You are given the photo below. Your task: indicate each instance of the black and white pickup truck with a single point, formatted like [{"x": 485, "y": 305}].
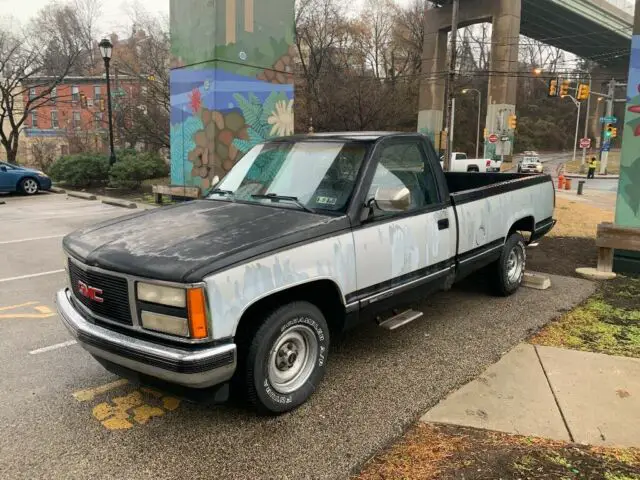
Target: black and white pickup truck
[{"x": 305, "y": 237}]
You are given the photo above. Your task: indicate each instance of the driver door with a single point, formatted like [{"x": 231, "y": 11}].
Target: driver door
[{"x": 404, "y": 251}]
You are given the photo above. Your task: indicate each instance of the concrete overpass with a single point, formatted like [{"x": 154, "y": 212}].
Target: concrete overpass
[{"x": 594, "y": 29}]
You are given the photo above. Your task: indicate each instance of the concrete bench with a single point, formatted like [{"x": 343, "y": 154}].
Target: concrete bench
[
  {"x": 611, "y": 236},
  {"x": 178, "y": 191}
]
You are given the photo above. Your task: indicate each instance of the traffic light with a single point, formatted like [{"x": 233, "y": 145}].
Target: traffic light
[
  {"x": 513, "y": 122},
  {"x": 102, "y": 104},
  {"x": 609, "y": 131},
  {"x": 583, "y": 91},
  {"x": 553, "y": 88},
  {"x": 564, "y": 89},
  {"x": 485, "y": 133}
]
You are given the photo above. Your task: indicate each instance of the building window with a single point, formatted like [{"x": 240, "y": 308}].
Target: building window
[
  {"x": 54, "y": 95},
  {"x": 97, "y": 118},
  {"x": 75, "y": 93},
  {"x": 97, "y": 92},
  {"x": 34, "y": 119},
  {"x": 54, "y": 119},
  {"x": 32, "y": 93},
  {"x": 76, "y": 120}
]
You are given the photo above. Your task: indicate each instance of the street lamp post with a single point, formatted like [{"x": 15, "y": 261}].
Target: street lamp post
[
  {"x": 467, "y": 90},
  {"x": 106, "y": 48}
]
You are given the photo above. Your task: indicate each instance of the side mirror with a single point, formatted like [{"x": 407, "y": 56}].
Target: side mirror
[
  {"x": 395, "y": 199},
  {"x": 214, "y": 181},
  {"x": 3, "y": 169}
]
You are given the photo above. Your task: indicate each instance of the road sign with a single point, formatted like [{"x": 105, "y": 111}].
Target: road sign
[
  {"x": 611, "y": 119},
  {"x": 585, "y": 143},
  {"x": 493, "y": 138},
  {"x": 606, "y": 146}
]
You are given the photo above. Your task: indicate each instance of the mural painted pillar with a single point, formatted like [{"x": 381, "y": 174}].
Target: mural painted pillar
[
  {"x": 628, "y": 201},
  {"x": 231, "y": 82}
]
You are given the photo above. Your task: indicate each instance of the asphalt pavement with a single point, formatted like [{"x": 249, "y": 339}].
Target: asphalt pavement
[{"x": 64, "y": 417}]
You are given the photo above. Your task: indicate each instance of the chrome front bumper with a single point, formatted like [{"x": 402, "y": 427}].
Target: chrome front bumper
[{"x": 194, "y": 367}]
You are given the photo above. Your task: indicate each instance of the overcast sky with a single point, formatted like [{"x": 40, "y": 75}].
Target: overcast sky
[{"x": 115, "y": 13}]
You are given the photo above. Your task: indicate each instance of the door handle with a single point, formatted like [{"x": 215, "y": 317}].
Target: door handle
[{"x": 443, "y": 224}]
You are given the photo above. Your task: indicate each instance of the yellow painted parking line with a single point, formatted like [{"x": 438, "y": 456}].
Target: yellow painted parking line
[
  {"x": 43, "y": 309},
  {"x": 90, "y": 393},
  {"x": 27, "y": 315},
  {"x": 136, "y": 407},
  {"x": 13, "y": 307}
]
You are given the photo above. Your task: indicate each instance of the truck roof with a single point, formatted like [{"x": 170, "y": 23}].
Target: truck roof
[{"x": 344, "y": 136}]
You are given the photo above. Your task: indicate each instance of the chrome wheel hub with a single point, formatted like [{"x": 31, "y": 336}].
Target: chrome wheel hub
[
  {"x": 30, "y": 186},
  {"x": 293, "y": 358},
  {"x": 515, "y": 264}
]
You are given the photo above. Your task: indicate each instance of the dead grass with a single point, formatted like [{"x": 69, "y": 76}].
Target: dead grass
[
  {"x": 448, "y": 452},
  {"x": 613, "y": 163},
  {"x": 578, "y": 219}
]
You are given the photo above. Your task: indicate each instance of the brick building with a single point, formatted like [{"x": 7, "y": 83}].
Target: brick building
[{"x": 75, "y": 117}]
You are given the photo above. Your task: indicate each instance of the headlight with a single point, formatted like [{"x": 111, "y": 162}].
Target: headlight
[
  {"x": 171, "y": 296},
  {"x": 165, "y": 323},
  {"x": 42, "y": 174}
]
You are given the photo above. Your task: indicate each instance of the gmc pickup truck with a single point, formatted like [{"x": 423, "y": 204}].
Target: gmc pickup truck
[{"x": 304, "y": 238}]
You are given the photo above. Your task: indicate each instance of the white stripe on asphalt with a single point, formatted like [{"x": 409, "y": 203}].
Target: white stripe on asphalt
[
  {"x": 31, "y": 276},
  {"x": 30, "y": 239},
  {"x": 53, "y": 347}
]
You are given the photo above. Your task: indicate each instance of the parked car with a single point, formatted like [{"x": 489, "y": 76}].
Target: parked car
[
  {"x": 14, "y": 178},
  {"x": 530, "y": 163},
  {"x": 304, "y": 238},
  {"x": 460, "y": 163}
]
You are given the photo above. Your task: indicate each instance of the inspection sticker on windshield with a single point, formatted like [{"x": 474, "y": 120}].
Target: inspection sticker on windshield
[{"x": 326, "y": 200}]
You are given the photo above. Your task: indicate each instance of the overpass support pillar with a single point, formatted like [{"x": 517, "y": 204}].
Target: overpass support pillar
[
  {"x": 503, "y": 80},
  {"x": 434, "y": 66}
]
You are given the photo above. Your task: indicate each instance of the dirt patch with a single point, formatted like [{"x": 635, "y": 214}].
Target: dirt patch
[
  {"x": 562, "y": 255},
  {"x": 450, "y": 452},
  {"x": 609, "y": 322}
]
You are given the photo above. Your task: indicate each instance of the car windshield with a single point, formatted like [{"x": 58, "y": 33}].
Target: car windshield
[{"x": 311, "y": 174}]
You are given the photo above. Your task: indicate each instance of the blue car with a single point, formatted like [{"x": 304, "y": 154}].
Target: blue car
[{"x": 14, "y": 178}]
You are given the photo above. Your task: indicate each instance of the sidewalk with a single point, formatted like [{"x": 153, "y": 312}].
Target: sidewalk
[{"x": 567, "y": 395}]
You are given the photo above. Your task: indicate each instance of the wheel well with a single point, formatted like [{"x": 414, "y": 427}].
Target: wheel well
[
  {"x": 324, "y": 294},
  {"x": 473, "y": 168},
  {"x": 526, "y": 224}
]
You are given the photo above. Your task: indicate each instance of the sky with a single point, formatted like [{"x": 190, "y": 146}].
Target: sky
[{"x": 114, "y": 17}]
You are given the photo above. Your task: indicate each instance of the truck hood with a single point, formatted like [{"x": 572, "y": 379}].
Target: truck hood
[{"x": 184, "y": 243}]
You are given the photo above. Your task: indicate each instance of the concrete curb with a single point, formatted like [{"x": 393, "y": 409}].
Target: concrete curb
[
  {"x": 594, "y": 274},
  {"x": 57, "y": 190},
  {"x": 600, "y": 177},
  {"x": 536, "y": 280},
  {"x": 85, "y": 196},
  {"x": 116, "y": 202}
]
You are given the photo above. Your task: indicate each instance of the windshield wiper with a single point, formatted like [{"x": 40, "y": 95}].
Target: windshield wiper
[
  {"x": 220, "y": 191},
  {"x": 276, "y": 197}
]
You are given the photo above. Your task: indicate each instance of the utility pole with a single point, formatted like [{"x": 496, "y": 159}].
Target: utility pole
[
  {"x": 453, "y": 122},
  {"x": 586, "y": 121},
  {"x": 451, "y": 61},
  {"x": 611, "y": 94}
]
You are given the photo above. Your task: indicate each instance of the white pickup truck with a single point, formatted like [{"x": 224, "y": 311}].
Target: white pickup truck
[
  {"x": 304, "y": 238},
  {"x": 460, "y": 163}
]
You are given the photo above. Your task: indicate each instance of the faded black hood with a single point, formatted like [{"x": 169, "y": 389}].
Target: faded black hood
[{"x": 183, "y": 243}]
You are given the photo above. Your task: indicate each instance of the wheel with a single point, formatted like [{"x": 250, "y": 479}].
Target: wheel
[
  {"x": 508, "y": 270},
  {"x": 29, "y": 186},
  {"x": 286, "y": 358}
]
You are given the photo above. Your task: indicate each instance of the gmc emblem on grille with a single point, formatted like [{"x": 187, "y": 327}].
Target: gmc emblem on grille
[{"x": 90, "y": 292}]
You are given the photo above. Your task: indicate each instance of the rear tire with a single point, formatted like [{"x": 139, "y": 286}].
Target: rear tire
[
  {"x": 286, "y": 358},
  {"x": 508, "y": 271},
  {"x": 29, "y": 186}
]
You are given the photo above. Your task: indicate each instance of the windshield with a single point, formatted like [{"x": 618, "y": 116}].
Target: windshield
[{"x": 319, "y": 175}]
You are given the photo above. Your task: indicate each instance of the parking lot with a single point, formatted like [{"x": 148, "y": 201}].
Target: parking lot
[{"x": 64, "y": 416}]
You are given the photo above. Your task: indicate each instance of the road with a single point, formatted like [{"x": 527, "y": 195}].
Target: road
[
  {"x": 553, "y": 161},
  {"x": 65, "y": 417}
]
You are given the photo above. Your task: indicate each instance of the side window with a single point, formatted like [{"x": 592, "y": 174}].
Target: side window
[{"x": 403, "y": 180}]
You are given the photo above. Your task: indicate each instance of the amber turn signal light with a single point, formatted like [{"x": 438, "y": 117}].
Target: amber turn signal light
[{"x": 197, "y": 311}]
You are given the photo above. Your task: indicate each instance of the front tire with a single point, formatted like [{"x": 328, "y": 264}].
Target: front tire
[
  {"x": 508, "y": 270},
  {"x": 29, "y": 186},
  {"x": 286, "y": 358}
]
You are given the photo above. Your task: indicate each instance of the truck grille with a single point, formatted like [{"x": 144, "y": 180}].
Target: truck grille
[{"x": 115, "y": 294}]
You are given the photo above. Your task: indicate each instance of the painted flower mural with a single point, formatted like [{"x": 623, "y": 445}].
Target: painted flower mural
[{"x": 221, "y": 108}]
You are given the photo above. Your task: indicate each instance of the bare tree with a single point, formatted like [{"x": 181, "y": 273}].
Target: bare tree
[{"x": 32, "y": 64}]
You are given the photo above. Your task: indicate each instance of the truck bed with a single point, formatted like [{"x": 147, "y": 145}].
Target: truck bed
[{"x": 475, "y": 185}]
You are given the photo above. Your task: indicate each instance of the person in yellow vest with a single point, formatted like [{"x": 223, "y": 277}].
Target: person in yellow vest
[{"x": 593, "y": 164}]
